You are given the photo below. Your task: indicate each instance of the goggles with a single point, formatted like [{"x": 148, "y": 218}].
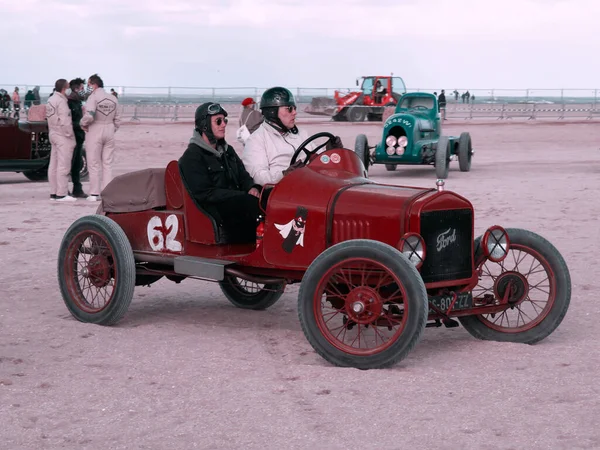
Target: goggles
[
  {"x": 215, "y": 108},
  {"x": 290, "y": 108},
  {"x": 220, "y": 120}
]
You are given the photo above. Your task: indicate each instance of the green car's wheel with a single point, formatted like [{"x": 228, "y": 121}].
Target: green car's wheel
[
  {"x": 390, "y": 167},
  {"x": 442, "y": 157},
  {"x": 465, "y": 152},
  {"x": 361, "y": 148}
]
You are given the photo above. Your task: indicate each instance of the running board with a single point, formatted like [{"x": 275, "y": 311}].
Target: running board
[{"x": 212, "y": 269}]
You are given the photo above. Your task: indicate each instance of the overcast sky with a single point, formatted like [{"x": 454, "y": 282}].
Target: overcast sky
[{"x": 447, "y": 44}]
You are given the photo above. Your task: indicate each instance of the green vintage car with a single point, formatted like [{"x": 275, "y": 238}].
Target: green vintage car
[{"x": 413, "y": 135}]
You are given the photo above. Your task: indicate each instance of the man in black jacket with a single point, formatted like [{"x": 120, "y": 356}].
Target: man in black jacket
[
  {"x": 75, "y": 105},
  {"x": 216, "y": 178}
]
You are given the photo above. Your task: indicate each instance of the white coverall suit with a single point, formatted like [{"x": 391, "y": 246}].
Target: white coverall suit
[
  {"x": 62, "y": 139},
  {"x": 102, "y": 117}
]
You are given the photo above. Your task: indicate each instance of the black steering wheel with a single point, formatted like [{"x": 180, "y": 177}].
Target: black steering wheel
[
  {"x": 309, "y": 153},
  {"x": 419, "y": 107}
]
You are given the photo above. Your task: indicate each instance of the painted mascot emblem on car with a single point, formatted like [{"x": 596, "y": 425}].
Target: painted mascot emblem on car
[
  {"x": 335, "y": 158},
  {"x": 293, "y": 231},
  {"x": 446, "y": 238},
  {"x": 162, "y": 237}
]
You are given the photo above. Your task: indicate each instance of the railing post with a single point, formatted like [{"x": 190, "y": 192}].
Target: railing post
[
  {"x": 175, "y": 116},
  {"x": 169, "y": 93},
  {"x": 562, "y": 97},
  {"x": 135, "y": 110},
  {"x": 562, "y": 113},
  {"x": 527, "y": 94},
  {"x": 213, "y": 94},
  {"x": 532, "y": 117}
]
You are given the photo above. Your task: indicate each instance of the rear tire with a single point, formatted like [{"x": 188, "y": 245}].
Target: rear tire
[
  {"x": 84, "y": 172},
  {"x": 38, "y": 174},
  {"x": 248, "y": 295},
  {"x": 96, "y": 270},
  {"x": 390, "y": 167}
]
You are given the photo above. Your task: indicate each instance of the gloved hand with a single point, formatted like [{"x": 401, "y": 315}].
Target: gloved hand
[
  {"x": 293, "y": 167},
  {"x": 334, "y": 143}
]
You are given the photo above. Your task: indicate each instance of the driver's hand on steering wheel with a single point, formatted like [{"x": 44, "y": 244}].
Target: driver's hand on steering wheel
[
  {"x": 293, "y": 167},
  {"x": 336, "y": 143},
  {"x": 255, "y": 192}
]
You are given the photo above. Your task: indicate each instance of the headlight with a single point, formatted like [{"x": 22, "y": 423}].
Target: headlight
[
  {"x": 402, "y": 141},
  {"x": 399, "y": 151},
  {"x": 412, "y": 246},
  {"x": 390, "y": 141},
  {"x": 390, "y": 150},
  {"x": 495, "y": 243}
]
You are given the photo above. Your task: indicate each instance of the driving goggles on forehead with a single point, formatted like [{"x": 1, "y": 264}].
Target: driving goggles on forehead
[{"x": 215, "y": 108}]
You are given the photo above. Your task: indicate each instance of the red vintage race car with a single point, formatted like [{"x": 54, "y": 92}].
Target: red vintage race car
[
  {"x": 377, "y": 263},
  {"x": 25, "y": 147}
]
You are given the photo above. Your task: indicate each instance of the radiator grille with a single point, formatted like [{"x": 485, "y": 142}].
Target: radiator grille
[{"x": 448, "y": 236}]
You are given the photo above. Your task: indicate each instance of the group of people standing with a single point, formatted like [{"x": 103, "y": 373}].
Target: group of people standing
[
  {"x": 70, "y": 124},
  {"x": 31, "y": 98}
]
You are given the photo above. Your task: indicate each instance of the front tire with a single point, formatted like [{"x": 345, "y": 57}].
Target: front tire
[
  {"x": 540, "y": 293},
  {"x": 96, "y": 270},
  {"x": 465, "y": 149},
  {"x": 362, "y": 304},
  {"x": 249, "y": 295},
  {"x": 442, "y": 157},
  {"x": 361, "y": 148},
  {"x": 390, "y": 167}
]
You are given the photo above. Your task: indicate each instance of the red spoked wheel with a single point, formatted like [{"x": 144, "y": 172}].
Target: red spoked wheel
[
  {"x": 533, "y": 282},
  {"x": 362, "y": 304},
  {"x": 96, "y": 270}
]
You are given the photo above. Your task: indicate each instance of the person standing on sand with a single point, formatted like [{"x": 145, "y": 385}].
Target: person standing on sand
[
  {"x": 101, "y": 120},
  {"x": 62, "y": 138}
]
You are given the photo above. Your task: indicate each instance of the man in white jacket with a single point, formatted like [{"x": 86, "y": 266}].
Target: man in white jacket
[
  {"x": 101, "y": 120},
  {"x": 269, "y": 150}
]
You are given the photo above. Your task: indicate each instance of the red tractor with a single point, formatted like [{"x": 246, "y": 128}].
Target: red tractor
[{"x": 376, "y": 93}]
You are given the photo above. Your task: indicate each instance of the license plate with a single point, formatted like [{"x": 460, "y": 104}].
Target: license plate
[{"x": 464, "y": 300}]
